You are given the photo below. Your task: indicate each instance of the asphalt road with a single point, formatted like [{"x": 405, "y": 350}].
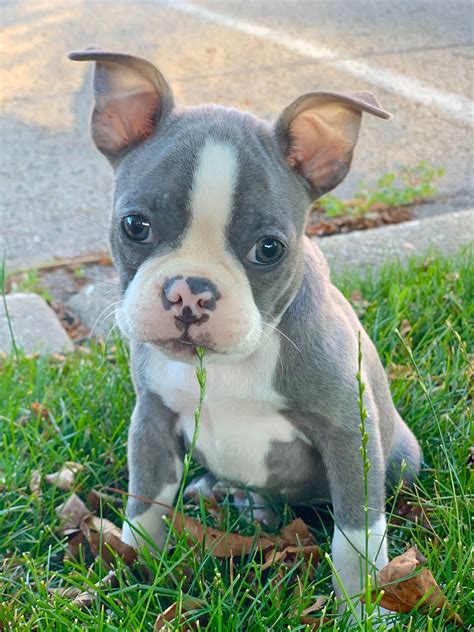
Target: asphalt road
[{"x": 416, "y": 56}]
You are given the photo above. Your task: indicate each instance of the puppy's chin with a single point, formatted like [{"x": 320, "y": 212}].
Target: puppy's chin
[{"x": 181, "y": 350}]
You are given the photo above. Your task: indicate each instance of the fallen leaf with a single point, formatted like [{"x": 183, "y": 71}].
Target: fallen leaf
[
  {"x": 307, "y": 617},
  {"x": 64, "y": 479},
  {"x": 405, "y": 327},
  {"x": 400, "y": 372},
  {"x": 75, "y": 542},
  {"x": 35, "y": 483},
  {"x": 405, "y": 587},
  {"x": 296, "y": 533},
  {"x": 470, "y": 458},
  {"x": 102, "y": 535},
  {"x": 407, "y": 510},
  {"x": 39, "y": 410},
  {"x": 99, "y": 501},
  {"x": 220, "y": 543},
  {"x": 70, "y": 592},
  {"x": 188, "y": 604},
  {"x": 86, "y": 598},
  {"x": 317, "y": 605},
  {"x": 71, "y": 513},
  {"x": 377, "y": 215},
  {"x": 290, "y": 555}
]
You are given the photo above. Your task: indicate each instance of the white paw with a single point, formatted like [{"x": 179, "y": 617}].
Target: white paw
[{"x": 146, "y": 530}]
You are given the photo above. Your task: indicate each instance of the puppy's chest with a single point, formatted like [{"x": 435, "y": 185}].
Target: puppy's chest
[{"x": 240, "y": 419}]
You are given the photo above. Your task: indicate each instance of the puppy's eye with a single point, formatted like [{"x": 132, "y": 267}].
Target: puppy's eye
[
  {"x": 267, "y": 250},
  {"x": 137, "y": 228}
]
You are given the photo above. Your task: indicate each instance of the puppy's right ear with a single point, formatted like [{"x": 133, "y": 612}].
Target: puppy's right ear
[{"x": 131, "y": 96}]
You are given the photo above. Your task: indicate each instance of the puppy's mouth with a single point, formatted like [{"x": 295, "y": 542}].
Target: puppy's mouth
[{"x": 184, "y": 347}]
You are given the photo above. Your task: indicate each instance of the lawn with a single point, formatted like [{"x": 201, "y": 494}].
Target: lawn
[{"x": 78, "y": 408}]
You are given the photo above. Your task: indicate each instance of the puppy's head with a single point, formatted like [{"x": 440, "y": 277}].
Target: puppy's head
[{"x": 210, "y": 204}]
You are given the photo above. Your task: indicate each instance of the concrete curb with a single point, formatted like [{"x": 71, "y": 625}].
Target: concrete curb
[
  {"x": 35, "y": 326},
  {"x": 360, "y": 250}
]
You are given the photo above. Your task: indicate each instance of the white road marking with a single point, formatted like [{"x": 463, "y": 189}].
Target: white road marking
[{"x": 455, "y": 106}]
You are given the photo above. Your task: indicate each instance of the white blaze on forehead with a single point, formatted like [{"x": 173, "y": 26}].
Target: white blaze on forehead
[{"x": 212, "y": 194}]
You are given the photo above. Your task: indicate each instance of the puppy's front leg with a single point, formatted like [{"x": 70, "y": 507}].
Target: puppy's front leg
[
  {"x": 155, "y": 463},
  {"x": 341, "y": 453}
]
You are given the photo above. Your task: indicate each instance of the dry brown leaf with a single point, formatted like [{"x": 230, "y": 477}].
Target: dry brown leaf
[
  {"x": 102, "y": 535},
  {"x": 35, "y": 483},
  {"x": 70, "y": 592},
  {"x": 378, "y": 215},
  {"x": 64, "y": 479},
  {"x": 220, "y": 543},
  {"x": 188, "y": 604},
  {"x": 39, "y": 410},
  {"x": 406, "y": 587},
  {"x": 99, "y": 501},
  {"x": 307, "y": 617},
  {"x": 75, "y": 542},
  {"x": 407, "y": 510},
  {"x": 71, "y": 514},
  {"x": 86, "y": 598},
  {"x": 290, "y": 555},
  {"x": 470, "y": 458},
  {"x": 317, "y": 605},
  {"x": 296, "y": 533},
  {"x": 400, "y": 372},
  {"x": 405, "y": 327}
]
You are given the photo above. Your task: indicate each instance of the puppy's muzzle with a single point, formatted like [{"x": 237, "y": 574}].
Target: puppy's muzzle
[{"x": 191, "y": 300}]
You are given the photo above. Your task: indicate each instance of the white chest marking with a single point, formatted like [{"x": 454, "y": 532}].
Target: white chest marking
[{"x": 240, "y": 415}]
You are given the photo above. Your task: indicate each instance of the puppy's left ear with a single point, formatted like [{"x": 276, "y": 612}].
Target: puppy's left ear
[{"x": 318, "y": 133}]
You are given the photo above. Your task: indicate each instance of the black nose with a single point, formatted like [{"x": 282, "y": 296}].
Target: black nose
[{"x": 193, "y": 295}]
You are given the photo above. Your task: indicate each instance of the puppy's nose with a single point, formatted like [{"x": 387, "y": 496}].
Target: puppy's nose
[{"x": 197, "y": 295}]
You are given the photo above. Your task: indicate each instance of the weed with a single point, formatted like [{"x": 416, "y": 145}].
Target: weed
[{"x": 406, "y": 187}]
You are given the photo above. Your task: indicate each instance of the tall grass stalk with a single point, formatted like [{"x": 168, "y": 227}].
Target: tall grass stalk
[
  {"x": 368, "y": 607},
  {"x": 201, "y": 374}
]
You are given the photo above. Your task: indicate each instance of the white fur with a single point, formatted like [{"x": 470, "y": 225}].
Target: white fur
[
  {"x": 240, "y": 415},
  {"x": 212, "y": 194},
  {"x": 348, "y": 555},
  {"x": 151, "y": 520}
]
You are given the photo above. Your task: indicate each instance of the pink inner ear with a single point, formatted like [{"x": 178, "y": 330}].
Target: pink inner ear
[
  {"x": 125, "y": 120},
  {"x": 317, "y": 150}
]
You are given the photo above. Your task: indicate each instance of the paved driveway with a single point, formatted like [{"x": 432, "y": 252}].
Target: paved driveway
[{"x": 257, "y": 55}]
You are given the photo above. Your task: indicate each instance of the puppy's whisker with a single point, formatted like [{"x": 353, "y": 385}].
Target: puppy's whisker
[
  {"x": 282, "y": 334},
  {"x": 92, "y": 221},
  {"x": 103, "y": 315},
  {"x": 109, "y": 283},
  {"x": 264, "y": 333}
]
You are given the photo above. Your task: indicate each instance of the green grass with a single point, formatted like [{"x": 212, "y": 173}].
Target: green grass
[
  {"x": 401, "y": 188},
  {"x": 89, "y": 399}
]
